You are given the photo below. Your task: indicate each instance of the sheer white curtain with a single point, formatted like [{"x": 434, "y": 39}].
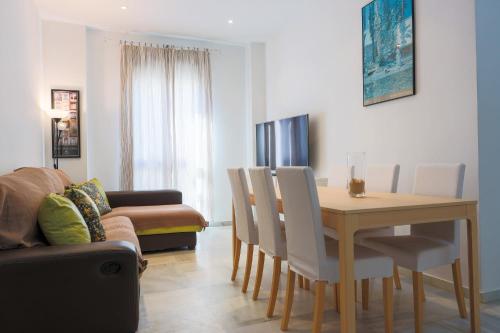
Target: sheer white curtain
[{"x": 167, "y": 122}]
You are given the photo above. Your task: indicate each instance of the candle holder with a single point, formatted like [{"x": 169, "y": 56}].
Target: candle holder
[{"x": 356, "y": 167}]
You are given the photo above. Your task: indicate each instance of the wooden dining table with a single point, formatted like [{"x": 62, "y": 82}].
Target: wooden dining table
[{"x": 347, "y": 215}]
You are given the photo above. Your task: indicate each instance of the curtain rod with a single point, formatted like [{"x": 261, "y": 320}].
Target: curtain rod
[{"x": 164, "y": 46}]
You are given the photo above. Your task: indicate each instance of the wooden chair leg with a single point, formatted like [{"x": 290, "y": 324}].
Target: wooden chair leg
[
  {"x": 319, "y": 305},
  {"x": 365, "y": 293},
  {"x": 417, "y": 302},
  {"x": 334, "y": 294},
  {"x": 287, "y": 309},
  {"x": 459, "y": 291},
  {"x": 248, "y": 268},
  {"x": 388, "y": 304},
  {"x": 258, "y": 277},
  {"x": 301, "y": 281},
  {"x": 397, "y": 280},
  {"x": 355, "y": 291},
  {"x": 337, "y": 296},
  {"x": 422, "y": 290},
  {"x": 307, "y": 284},
  {"x": 274, "y": 286},
  {"x": 236, "y": 262}
]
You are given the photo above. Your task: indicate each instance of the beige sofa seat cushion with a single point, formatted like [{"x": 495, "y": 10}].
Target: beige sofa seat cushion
[
  {"x": 21, "y": 194},
  {"x": 152, "y": 217},
  {"x": 120, "y": 228}
]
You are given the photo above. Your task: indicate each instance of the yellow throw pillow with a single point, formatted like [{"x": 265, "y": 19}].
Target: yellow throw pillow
[{"x": 61, "y": 222}]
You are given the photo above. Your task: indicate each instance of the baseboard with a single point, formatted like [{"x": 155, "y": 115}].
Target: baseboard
[{"x": 486, "y": 296}]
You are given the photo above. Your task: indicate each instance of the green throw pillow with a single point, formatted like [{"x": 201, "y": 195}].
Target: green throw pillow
[
  {"x": 61, "y": 222},
  {"x": 95, "y": 191},
  {"x": 89, "y": 211}
]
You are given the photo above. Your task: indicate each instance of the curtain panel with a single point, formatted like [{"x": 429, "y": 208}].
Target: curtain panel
[{"x": 166, "y": 122}]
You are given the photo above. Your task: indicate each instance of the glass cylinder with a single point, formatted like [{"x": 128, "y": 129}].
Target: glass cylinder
[{"x": 356, "y": 170}]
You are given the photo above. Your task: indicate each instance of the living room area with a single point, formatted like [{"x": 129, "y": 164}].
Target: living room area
[{"x": 249, "y": 166}]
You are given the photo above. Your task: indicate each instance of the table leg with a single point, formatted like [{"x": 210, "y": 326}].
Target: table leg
[
  {"x": 346, "y": 231},
  {"x": 473, "y": 252}
]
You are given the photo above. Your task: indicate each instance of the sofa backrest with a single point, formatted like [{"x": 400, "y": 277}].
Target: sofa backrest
[{"x": 21, "y": 194}]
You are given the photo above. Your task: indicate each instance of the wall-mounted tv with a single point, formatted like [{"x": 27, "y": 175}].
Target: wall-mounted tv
[{"x": 283, "y": 142}]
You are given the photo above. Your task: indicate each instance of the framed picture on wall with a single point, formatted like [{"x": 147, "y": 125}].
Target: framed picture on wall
[
  {"x": 69, "y": 138},
  {"x": 388, "y": 50}
]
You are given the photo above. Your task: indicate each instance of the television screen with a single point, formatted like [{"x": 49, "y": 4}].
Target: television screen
[{"x": 283, "y": 142}]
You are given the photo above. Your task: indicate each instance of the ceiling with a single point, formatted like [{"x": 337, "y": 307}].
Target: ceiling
[{"x": 254, "y": 20}]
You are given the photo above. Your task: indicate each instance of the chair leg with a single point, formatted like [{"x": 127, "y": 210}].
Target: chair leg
[
  {"x": 459, "y": 291},
  {"x": 274, "y": 286},
  {"x": 365, "y": 293},
  {"x": 355, "y": 291},
  {"x": 417, "y": 302},
  {"x": 248, "y": 268},
  {"x": 300, "y": 278},
  {"x": 319, "y": 305},
  {"x": 397, "y": 280},
  {"x": 236, "y": 262},
  {"x": 388, "y": 304},
  {"x": 287, "y": 309},
  {"x": 258, "y": 277},
  {"x": 337, "y": 297},
  {"x": 422, "y": 290},
  {"x": 307, "y": 284}
]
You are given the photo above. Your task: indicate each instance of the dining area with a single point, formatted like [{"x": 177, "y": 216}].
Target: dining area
[{"x": 339, "y": 241}]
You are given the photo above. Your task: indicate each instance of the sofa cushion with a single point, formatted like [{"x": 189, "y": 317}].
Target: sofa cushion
[
  {"x": 89, "y": 211},
  {"x": 21, "y": 194},
  {"x": 161, "y": 216},
  {"x": 96, "y": 192},
  {"x": 120, "y": 228},
  {"x": 61, "y": 222}
]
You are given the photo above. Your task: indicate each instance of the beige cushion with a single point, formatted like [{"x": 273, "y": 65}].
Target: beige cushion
[
  {"x": 120, "y": 228},
  {"x": 413, "y": 252},
  {"x": 21, "y": 194},
  {"x": 152, "y": 217}
]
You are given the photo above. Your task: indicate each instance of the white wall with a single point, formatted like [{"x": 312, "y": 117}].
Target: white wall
[
  {"x": 21, "y": 129},
  {"x": 64, "y": 65},
  {"x": 230, "y": 109},
  {"x": 314, "y": 66}
]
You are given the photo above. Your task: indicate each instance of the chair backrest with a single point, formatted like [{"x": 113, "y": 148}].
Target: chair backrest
[
  {"x": 445, "y": 180},
  {"x": 382, "y": 178},
  {"x": 304, "y": 228},
  {"x": 245, "y": 225},
  {"x": 270, "y": 236}
]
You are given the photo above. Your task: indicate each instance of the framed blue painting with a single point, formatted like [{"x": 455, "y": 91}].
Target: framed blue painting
[{"x": 388, "y": 51}]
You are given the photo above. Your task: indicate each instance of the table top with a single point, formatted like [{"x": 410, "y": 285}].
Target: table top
[{"x": 339, "y": 201}]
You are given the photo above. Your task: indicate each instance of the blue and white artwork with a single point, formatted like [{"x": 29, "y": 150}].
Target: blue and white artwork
[{"x": 388, "y": 51}]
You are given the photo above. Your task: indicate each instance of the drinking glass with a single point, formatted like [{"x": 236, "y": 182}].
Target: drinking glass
[{"x": 356, "y": 171}]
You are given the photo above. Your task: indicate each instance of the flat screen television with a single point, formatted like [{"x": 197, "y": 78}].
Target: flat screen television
[{"x": 283, "y": 142}]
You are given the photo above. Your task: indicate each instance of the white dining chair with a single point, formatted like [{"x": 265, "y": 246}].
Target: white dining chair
[
  {"x": 382, "y": 178},
  {"x": 379, "y": 178},
  {"x": 272, "y": 238},
  {"x": 313, "y": 255},
  {"x": 246, "y": 228},
  {"x": 429, "y": 245}
]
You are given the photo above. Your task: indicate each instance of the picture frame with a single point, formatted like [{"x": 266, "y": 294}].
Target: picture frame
[
  {"x": 388, "y": 44},
  {"x": 69, "y": 139}
]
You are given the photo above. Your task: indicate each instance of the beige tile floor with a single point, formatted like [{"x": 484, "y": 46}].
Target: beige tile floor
[{"x": 191, "y": 291}]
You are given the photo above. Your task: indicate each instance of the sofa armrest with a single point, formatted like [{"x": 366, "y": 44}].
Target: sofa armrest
[
  {"x": 144, "y": 198},
  {"x": 72, "y": 288}
]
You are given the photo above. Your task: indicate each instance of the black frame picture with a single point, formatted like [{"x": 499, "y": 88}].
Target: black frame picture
[
  {"x": 68, "y": 100},
  {"x": 390, "y": 74}
]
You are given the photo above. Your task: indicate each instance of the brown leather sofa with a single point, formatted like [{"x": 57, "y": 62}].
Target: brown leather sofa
[{"x": 72, "y": 288}]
